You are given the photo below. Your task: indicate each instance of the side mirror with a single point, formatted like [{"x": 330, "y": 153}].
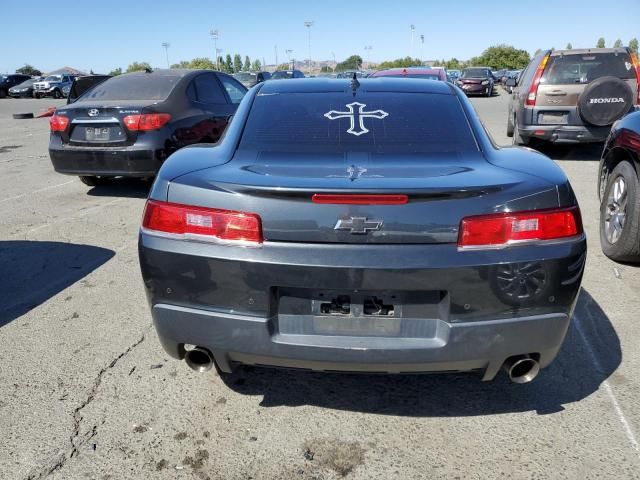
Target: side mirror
[{"x": 511, "y": 82}]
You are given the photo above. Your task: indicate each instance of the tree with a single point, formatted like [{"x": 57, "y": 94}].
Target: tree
[
  {"x": 181, "y": 64},
  {"x": 257, "y": 66},
  {"x": 202, "y": 63},
  {"x": 237, "y": 63},
  {"x": 247, "y": 64},
  {"x": 228, "y": 64},
  {"x": 617, "y": 43},
  {"x": 503, "y": 56},
  {"x": 284, "y": 66},
  {"x": 569, "y": 46},
  {"x": 633, "y": 45},
  {"x": 354, "y": 62},
  {"x": 600, "y": 43},
  {"x": 221, "y": 63},
  {"x": 29, "y": 70},
  {"x": 400, "y": 63},
  {"x": 115, "y": 72},
  {"x": 326, "y": 69},
  {"x": 138, "y": 67}
]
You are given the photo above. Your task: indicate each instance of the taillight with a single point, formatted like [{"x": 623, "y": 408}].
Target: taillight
[
  {"x": 58, "y": 123},
  {"x": 628, "y": 138},
  {"x": 337, "y": 199},
  {"x": 201, "y": 223},
  {"x": 533, "y": 89},
  {"x": 636, "y": 66},
  {"x": 502, "y": 229},
  {"x": 146, "y": 121}
]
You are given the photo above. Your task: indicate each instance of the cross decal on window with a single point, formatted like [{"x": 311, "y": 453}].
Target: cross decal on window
[{"x": 359, "y": 128}]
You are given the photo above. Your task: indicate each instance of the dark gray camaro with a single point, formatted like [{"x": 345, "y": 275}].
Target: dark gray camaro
[{"x": 372, "y": 227}]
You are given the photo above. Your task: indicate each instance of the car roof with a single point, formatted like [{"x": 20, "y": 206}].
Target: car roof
[
  {"x": 376, "y": 84},
  {"x": 409, "y": 71},
  {"x": 581, "y": 51}
]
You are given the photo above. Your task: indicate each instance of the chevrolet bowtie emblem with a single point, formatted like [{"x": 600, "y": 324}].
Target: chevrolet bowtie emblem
[{"x": 358, "y": 225}]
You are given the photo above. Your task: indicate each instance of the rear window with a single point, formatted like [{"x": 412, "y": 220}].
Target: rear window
[
  {"x": 320, "y": 123},
  {"x": 584, "y": 68},
  {"x": 281, "y": 75},
  {"x": 133, "y": 87}
]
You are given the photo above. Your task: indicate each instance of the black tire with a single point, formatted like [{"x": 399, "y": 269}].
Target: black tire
[
  {"x": 57, "y": 94},
  {"x": 509, "y": 125},
  {"x": 22, "y": 116},
  {"x": 3, "y": 93},
  {"x": 621, "y": 243},
  {"x": 517, "y": 138},
  {"x": 37, "y": 95},
  {"x": 92, "y": 181}
]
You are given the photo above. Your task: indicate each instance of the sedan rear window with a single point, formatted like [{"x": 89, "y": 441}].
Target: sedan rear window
[
  {"x": 393, "y": 122},
  {"x": 584, "y": 68},
  {"x": 139, "y": 86}
]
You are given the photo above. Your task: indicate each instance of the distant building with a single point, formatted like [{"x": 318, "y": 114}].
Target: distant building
[{"x": 67, "y": 70}]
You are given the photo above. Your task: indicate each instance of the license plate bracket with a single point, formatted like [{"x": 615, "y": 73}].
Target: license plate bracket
[{"x": 97, "y": 134}]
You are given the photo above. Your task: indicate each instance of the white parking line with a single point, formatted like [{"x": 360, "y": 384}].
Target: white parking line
[
  {"x": 628, "y": 430},
  {"x": 51, "y": 187}
]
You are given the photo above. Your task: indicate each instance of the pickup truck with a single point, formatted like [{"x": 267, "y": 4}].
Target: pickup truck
[{"x": 52, "y": 86}]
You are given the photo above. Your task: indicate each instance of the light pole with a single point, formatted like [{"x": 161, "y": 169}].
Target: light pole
[
  {"x": 275, "y": 47},
  {"x": 368, "y": 48},
  {"x": 166, "y": 51},
  {"x": 421, "y": 50},
  {"x": 289, "y": 52},
  {"x": 309, "y": 24},
  {"x": 215, "y": 34},
  {"x": 413, "y": 31},
  {"x": 218, "y": 54}
]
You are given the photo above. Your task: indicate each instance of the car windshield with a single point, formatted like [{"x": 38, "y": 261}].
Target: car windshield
[
  {"x": 584, "y": 68},
  {"x": 475, "y": 73},
  {"x": 137, "y": 86},
  {"x": 27, "y": 83},
  {"x": 320, "y": 123},
  {"x": 280, "y": 75},
  {"x": 53, "y": 78}
]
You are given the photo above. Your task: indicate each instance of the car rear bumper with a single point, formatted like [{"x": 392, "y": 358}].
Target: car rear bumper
[
  {"x": 237, "y": 303},
  {"x": 113, "y": 161},
  {"x": 565, "y": 133}
]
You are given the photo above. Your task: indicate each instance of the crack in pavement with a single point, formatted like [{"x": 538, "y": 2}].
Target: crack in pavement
[{"x": 76, "y": 443}]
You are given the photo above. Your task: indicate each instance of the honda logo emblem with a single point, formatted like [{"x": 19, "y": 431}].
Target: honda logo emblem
[{"x": 358, "y": 225}]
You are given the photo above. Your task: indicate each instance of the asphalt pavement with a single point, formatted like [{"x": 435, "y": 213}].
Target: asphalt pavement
[{"x": 86, "y": 390}]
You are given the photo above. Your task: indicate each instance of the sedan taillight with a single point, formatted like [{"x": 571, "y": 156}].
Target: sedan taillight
[
  {"x": 58, "y": 123},
  {"x": 503, "y": 229},
  {"x": 146, "y": 121},
  {"x": 201, "y": 223}
]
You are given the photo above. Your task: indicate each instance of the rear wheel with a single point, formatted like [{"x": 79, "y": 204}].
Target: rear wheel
[
  {"x": 57, "y": 94},
  {"x": 94, "y": 181},
  {"x": 620, "y": 215},
  {"x": 510, "y": 126},
  {"x": 517, "y": 139},
  {"x": 3, "y": 93}
]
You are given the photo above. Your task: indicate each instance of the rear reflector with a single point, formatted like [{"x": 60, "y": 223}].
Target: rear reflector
[
  {"x": 201, "y": 223},
  {"x": 146, "y": 121},
  {"x": 360, "y": 199},
  {"x": 502, "y": 229},
  {"x": 58, "y": 123}
]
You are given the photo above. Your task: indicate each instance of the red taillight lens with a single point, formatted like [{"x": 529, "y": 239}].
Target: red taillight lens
[
  {"x": 58, "y": 123},
  {"x": 502, "y": 229},
  {"x": 533, "y": 89},
  {"x": 360, "y": 199},
  {"x": 634, "y": 61},
  {"x": 146, "y": 121},
  {"x": 200, "y": 223}
]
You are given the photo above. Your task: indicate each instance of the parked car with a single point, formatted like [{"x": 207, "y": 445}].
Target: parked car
[
  {"x": 498, "y": 74},
  {"x": 619, "y": 191},
  {"x": 350, "y": 73},
  {"x": 454, "y": 74},
  {"x": 476, "y": 81},
  {"x": 24, "y": 89},
  {"x": 83, "y": 84},
  {"x": 128, "y": 125},
  {"x": 572, "y": 96},
  {"x": 52, "y": 86},
  {"x": 510, "y": 74},
  {"x": 369, "y": 226},
  {"x": 286, "y": 74},
  {"x": 250, "y": 79},
  {"x": 413, "y": 72},
  {"x": 9, "y": 81}
]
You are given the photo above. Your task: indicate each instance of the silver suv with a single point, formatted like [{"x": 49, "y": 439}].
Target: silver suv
[{"x": 572, "y": 96}]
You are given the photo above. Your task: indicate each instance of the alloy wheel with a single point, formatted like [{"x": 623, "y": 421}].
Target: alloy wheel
[{"x": 616, "y": 211}]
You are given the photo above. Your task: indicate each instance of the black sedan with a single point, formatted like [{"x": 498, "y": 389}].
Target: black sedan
[
  {"x": 128, "y": 125},
  {"x": 24, "y": 89},
  {"x": 619, "y": 191},
  {"x": 367, "y": 226}
]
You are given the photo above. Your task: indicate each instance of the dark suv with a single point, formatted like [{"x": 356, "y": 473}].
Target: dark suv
[
  {"x": 572, "y": 96},
  {"x": 8, "y": 81}
]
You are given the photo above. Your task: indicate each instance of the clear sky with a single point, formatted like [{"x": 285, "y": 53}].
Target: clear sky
[{"x": 102, "y": 35}]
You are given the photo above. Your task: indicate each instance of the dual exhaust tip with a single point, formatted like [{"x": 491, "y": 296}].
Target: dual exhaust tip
[{"x": 520, "y": 368}]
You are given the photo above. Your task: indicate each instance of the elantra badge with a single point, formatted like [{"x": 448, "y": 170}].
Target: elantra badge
[
  {"x": 360, "y": 114},
  {"x": 94, "y": 112},
  {"x": 358, "y": 225}
]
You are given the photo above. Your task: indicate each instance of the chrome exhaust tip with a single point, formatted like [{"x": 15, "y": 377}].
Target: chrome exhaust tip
[
  {"x": 521, "y": 368},
  {"x": 199, "y": 359}
]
